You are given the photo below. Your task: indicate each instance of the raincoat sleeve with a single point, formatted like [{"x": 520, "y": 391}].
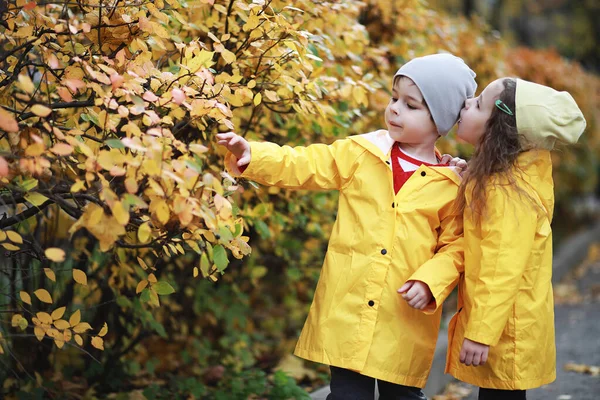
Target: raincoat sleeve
[
  {"x": 314, "y": 167},
  {"x": 442, "y": 271},
  {"x": 508, "y": 233}
]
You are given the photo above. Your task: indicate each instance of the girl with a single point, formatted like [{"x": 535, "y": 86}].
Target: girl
[{"x": 505, "y": 322}]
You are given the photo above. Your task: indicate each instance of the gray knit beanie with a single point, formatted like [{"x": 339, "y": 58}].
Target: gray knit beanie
[{"x": 445, "y": 82}]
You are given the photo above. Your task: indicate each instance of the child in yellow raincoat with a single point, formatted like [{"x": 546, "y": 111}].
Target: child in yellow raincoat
[
  {"x": 502, "y": 338},
  {"x": 395, "y": 216}
]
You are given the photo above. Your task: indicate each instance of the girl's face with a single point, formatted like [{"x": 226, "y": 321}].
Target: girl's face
[
  {"x": 477, "y": 111},
  {"x": 407, "y": 117}
]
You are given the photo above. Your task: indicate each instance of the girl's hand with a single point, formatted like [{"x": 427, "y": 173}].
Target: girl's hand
[
  {"x": 473, "y": 353},
  {"x": 416, "y": 293},
  {"x": 237, "y": 145},
  {"x": 457, "y": 162}
]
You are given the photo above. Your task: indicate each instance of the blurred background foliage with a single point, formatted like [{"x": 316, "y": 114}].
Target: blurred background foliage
[{"x": 301, "y": 73}]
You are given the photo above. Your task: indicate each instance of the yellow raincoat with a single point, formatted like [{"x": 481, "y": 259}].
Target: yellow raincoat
[
  {"x": 357, "y": 319},
  {"x": 505, "y": 295}
]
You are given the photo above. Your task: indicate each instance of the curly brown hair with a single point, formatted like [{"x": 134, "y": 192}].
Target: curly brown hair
[{"x": 495, "y": 155}]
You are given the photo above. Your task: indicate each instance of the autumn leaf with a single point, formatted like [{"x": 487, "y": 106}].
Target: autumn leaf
[
  {"x": 40, "y": 110},
  {"x": 55, "y": 254},
  {"x": 79, "y": 276},
  {"x": 50, "y": 274},
  {"x": 98, "y": 342},
  {"x": 25, "y": 298},
  {"x": 75, "y": 318},
  {"x": 104, "y": 330},
  {"x": 14, "y": 237},
  {"x": 81, "y": 327},
  {"x": 8, "y": 123},
  {"x": 43, "y": 295},
  {"x": 141, "y": 286},
  {"x": 58, "y": 313}
]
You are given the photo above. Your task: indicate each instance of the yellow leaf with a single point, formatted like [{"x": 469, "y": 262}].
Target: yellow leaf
[
  {"x": 10, "y": 247},
  {"x": 79, "y": 276},
  {"x": 35, "y": 198},
  {"x": 25, "y": 297},
  {"x": 228, "y": 56},
  {"x": 55, "y": 254},
  {"x": 50, "y": 274},
  {"x": 16, "y": 319},
  {"x": 25, "y": 82},
  {"x": 61, "y": 324},
  {"x": 195, "y": 272},
  {"x": 152, "y": 278},
  {"x": 67, "y": 334},
  {"x": 58, "y": 313},
  {"x": 257, "y": 99},
  {"x": 144, "y": 232},
  {"x": 104, "y": 330},
  {"x": 81, "y": 327},
  {"x": 8, "y": 123},
  {"x": 40, "y": 110},
  {"x": 2, "y": 236},
  {"x": 78, "y": 340},
  {"x": 162, "y": 212},
  {"x": 75, "y": 318},
  {"x": 39, "y": 333},
  {"x": 14, "y": 237},
  {"x": 43, "y": 295},
  {"x": 120, "y": 213},
  {"x": 141, "y": 286},
  {"x": 142, "y": 263},
  {"x": 44, "y": 317},
  {"x": 98, "y": 342},
  {"x": 35, "y": 150},
  {"x": 59, "y": 343}
]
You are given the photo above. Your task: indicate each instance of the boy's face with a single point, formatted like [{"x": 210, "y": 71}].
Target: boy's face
[
  {"x": 477, "y": 111},
  {"x": 407, "y": 117}
]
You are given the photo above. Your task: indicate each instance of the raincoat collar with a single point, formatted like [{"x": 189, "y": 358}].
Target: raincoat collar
[{"x": 379, "y": 143}]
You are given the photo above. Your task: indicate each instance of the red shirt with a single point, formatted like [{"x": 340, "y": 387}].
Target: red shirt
[{"x": 400, "y": 175}]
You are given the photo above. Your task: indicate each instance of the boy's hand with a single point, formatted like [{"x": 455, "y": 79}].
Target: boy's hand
[
  {"x": 473, "y": 353},
  {"x": 416, "y": 293},
  {"x": 457, "y": 162},
  {"x": 237, "y": 145}
]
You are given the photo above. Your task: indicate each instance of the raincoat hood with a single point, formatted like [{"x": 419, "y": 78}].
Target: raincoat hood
[{"x": 545, "y": 115}]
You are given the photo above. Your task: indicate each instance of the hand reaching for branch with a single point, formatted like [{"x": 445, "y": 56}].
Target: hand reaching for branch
[
  {"x": 237, "y": 145},
  {"x": 416, "y": 293}
]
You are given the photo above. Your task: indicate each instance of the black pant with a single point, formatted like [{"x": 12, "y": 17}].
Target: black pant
[
  {"x": 350, "y": 385},
  {"x": 498, "y": 394}
]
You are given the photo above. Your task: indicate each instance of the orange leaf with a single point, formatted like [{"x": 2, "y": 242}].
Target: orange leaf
[
  {"x": 62, "y": 149},
  {"x": 8, "y": 123}
]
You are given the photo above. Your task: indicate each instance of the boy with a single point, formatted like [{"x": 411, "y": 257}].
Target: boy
[{"x": 395, "y": 216}]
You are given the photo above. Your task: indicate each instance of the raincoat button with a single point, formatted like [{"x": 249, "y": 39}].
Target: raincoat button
[
  {"x": 423, "y": 173},
  {"x": 387, "y": 162},
  {"x": 384, "y": 252},
  {"x": 393, "y": 205},
  {"x": 371, "y": 303}
]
